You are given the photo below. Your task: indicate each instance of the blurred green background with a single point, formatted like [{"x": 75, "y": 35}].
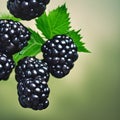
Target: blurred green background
[{"x": 92, "y": 89}]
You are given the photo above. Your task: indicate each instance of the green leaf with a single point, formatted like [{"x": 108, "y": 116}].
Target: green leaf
[
  {"x": 56, "y": 22},
  {"x": 9, "y": 17},
  {"x": 59, "y": 20},
  {"x": 43, "y": 25},
  {"x": 77, "y": 40},
  {"x": 36, "y": 37},
  {"x": 33, "y": 47}
]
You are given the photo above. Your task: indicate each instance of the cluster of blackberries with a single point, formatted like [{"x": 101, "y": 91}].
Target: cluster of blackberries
[
  {"x": 13, "y": 38},
  {"x": 32, "y": 74}
]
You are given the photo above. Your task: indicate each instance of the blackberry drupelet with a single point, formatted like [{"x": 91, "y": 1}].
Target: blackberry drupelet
[
  {"x": 33, "y": 93},
  {"x": 60, "y": 53},
  {"x": 27, "y": 9},
  {"x": 13, "y": 36},
  {"x": 6, "y": 66},
  {"x": 30, "y": 67}
]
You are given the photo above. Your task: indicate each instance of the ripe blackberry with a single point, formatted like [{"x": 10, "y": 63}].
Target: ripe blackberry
[
  {"x": 27, "y": 9},
  {"x": 60, "y": 53},
  {"x": 13, "y": 36},
  {"x": 33, "y": 93},
  {"x": 30, "y": 67},
  {"x": 6, "y": 66}
]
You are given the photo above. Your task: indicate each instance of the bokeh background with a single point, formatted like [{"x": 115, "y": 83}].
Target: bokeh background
[{"x": 92, "y": 89}]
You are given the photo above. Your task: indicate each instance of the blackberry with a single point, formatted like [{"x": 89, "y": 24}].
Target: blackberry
[
  {"x": 27, "y": 9},
  {"x": 33, "y": 93},
  {"x": 6, "y": 66},
  {"x": 30, "y": 67},
  {"x": 13, "y": 36},
  {"x": 60, "y": 53}
]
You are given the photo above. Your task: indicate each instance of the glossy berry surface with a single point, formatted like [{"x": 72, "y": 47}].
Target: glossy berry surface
[
  {"x": 31, "y": 67},
  {"x": 60, "y": 53},
  {"x": 6, "y": 66},
  {"x": 32, "y": 76},
  {"x": 13, "y": 36},
  {"x": 33, "y": 93},
  {"x": 27, "y": 9}
]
